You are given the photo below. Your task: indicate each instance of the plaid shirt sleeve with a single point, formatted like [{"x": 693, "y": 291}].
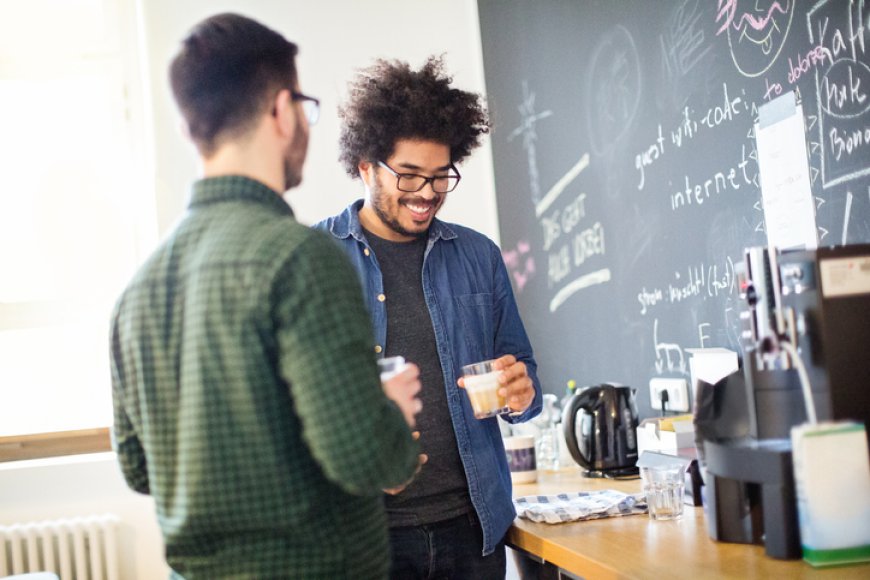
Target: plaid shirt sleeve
[
  {"x": 357, "y": 435},
  {"x": 125, "y": 441}
]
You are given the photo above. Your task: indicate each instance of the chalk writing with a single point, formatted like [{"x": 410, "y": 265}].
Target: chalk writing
[
  {"x": 584, "y": 281},
  {"x": 697, "y": 282},
  {"x": 683, "y": 42},
  {"x": 703, "y": 337},
  {"x": 846, "y": 142},
  {"x": 843, "y": 112},
  {"x": 562, "y": 221},
  {"x": 689, "y": 126},
  {"x": 561, "y": 185},
  {"x": 647, "y": 157},
  {"x": 529, "y": 118},
  {"x": 721, "y": 181},
  {"x": 756, "y": 29},
  {"x": 585, "y": 244},
  {"x": 614, "y": 89},
  {"x": 669, "y": 355},
  {"x": 846, "y": 219},
  {"x": 520, "y": 264},
  {"x": 649, "y": 298}
]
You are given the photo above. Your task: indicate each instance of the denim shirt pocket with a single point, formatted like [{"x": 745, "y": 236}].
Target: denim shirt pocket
[{"x": 475, "y": 312}]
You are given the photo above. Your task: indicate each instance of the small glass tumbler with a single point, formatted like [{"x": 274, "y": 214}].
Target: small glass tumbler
[
  {"x": 664, "y": 486},
  {"x": 482, "y": 386},
  {"x": 390, "y": 366}
]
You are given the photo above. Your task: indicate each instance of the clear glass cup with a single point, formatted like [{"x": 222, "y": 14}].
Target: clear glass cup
[
  {"x": 664, "y": 486},
  {"x": 548, "y": 449},
  {"x": 481, "y": 384},
  {"x": 390, "y": 366}
]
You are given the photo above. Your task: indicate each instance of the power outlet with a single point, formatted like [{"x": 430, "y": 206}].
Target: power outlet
[{"x": 678, "y": 393}]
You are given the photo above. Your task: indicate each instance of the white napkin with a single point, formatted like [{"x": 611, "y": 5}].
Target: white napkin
[{"x": 582, "y": 505}]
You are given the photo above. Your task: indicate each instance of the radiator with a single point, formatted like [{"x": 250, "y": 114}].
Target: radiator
[{"x": 81, "y": 548}]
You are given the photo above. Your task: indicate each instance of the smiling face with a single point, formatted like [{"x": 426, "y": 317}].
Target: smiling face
[
  {"x": 757, "y": 31},
  {"x": 397, "y": 215}
]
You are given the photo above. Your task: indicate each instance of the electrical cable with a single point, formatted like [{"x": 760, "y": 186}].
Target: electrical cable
[{"x": 809, "y": 403}]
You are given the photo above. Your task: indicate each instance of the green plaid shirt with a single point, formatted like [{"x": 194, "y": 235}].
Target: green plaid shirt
[{"x": 247, "y": 398}]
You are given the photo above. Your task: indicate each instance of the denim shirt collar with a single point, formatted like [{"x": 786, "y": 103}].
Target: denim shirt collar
[{"x": 347, "y": 224}]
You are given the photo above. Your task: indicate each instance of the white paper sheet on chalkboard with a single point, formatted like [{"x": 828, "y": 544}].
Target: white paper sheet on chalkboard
[{"x": 787, "y": 198}]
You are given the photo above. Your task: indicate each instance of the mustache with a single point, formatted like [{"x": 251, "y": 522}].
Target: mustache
[{"x": 417, "y": 200}]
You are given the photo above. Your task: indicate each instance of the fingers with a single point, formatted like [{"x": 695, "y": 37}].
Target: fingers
[
  {"x": 410, "y": 376},
  {"x": 505, "y": 361}
]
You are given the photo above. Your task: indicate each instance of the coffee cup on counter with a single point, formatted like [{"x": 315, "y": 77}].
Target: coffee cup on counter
[{"x": 520, "y": 451}]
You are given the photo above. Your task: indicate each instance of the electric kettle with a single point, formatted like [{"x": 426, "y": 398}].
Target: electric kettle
[{"x": 600, "y": 424}]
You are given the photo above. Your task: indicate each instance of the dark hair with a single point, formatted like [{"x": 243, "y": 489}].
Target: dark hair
[
  {"x": 227, "y": 71},
  {"x": 388, "y": 101}
]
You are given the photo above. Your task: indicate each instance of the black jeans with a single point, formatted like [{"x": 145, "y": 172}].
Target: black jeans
[{"x": 445, "y": 550}]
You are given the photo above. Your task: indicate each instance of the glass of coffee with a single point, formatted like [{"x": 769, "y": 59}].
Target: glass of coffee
[{"x": 481, "y": 384}]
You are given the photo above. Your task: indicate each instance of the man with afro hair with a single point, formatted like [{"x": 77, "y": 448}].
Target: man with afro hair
[{"x": 439, "y": 295}]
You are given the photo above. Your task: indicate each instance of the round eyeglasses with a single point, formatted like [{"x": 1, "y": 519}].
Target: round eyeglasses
[
  {"x": 412, "y": 183},
  {"x": 310, "y": 106}
]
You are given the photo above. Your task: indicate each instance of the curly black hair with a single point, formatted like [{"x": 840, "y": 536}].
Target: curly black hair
[{"x": 388, "y": 101}]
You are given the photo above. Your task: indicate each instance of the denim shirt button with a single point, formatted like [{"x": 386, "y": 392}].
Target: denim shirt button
[{"x": 366, "y": 251}]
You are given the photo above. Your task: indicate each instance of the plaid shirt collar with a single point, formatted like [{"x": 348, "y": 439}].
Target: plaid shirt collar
[{"x": 236, "y": 188}]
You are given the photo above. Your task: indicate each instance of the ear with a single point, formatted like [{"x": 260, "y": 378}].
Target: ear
[
  {"x": 284, "y": 113},
  {"x": 366, "y": 172}
]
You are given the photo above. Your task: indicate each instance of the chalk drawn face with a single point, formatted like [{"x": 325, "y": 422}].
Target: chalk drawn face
[
  {"x": 757, "y": 31},
  {"x": 397, "y": 215}
]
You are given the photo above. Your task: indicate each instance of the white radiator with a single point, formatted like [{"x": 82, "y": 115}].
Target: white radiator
[{"x": 82, "y": 548}]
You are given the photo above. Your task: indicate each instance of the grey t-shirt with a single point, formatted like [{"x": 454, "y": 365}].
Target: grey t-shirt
[{"x": 440, "y": 490}]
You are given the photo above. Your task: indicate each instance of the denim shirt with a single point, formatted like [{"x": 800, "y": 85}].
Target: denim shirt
[{"x": 475, "y": 317}]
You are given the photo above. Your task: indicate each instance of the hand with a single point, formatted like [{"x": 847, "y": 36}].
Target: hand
[
  {"x": 421, "y": 460},
  {"x": 517, "y": 387},
  {"x": 402, "y": 388}
]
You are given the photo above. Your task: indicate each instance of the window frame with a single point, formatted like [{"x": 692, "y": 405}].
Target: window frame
[{"x": 124, "y": 18}]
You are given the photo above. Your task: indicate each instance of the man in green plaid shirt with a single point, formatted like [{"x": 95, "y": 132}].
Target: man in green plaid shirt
[{"x": 247, "y": 398}]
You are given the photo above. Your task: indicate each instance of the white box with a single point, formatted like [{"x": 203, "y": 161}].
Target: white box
[{"x": 651, "y": 438}]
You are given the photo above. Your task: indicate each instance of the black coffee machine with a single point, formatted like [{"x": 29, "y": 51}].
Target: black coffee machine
[
  {"x": 816, "y": 304},
  {"x": 600, "y": 424}
]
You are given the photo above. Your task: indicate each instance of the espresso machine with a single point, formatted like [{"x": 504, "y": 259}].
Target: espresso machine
[{"x": 810, "y": 304}]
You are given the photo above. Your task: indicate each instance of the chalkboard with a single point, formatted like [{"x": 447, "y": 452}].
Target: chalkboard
[{"x": 626, "y": 167}]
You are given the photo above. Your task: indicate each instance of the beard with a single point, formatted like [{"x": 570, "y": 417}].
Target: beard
[
  {"x": 387, "y": 211},
  {"x": 294, "y": 157},
  {"x": 292, "y": 176}
]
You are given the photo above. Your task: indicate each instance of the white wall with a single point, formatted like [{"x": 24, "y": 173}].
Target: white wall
[
  {"x": 82, "y": 485},
  {"x": 335, "y": 38}
]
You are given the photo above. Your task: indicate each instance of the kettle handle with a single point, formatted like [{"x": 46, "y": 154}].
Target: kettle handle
[{"x": 581, "y": 400}]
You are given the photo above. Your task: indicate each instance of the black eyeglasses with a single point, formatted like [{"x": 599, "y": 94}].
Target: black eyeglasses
[
  {"x": 412, "y": 183},
  {"x": 310, "y": 106}
]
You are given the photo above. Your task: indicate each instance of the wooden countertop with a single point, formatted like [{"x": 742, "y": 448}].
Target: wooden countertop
[{"x": 637, "y": 547}]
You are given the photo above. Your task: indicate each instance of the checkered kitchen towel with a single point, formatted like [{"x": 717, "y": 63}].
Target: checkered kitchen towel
[{"x": 582, "y": 505}]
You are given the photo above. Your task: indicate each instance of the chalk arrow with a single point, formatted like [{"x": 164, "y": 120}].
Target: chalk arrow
[
  {"x": 824, "y": 233},
  {"x": 751, "y": 133},
  {"x": 757, "y": 205},
  {"x": 753, "y": 155},
  {"x": 814, "y": 174},
  {"x": 814, "y": 146},
  {"x": 760, "y": 227},
  {"x": 819, "y": 202},
  {"x": 812, "y": 121}
]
